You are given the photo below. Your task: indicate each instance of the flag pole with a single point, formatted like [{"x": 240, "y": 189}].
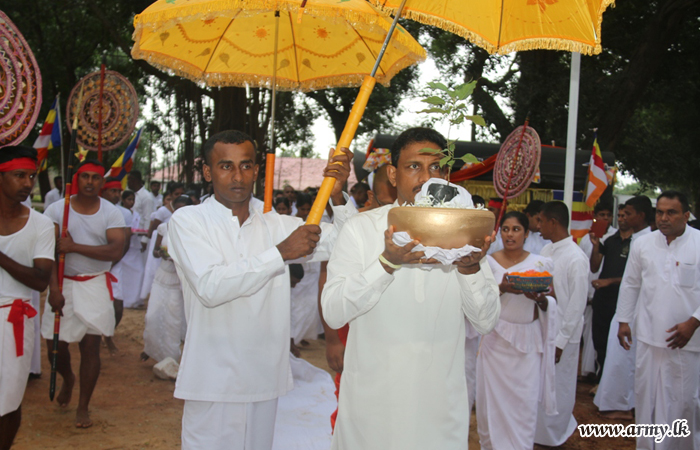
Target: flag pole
[
  {"x": 358, "y": 109},
  {"x": 62, "y": 256}
]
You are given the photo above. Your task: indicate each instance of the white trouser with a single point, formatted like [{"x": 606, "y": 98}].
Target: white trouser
[
  {"x": 228, "y": 426},
  {"x": 666, "y": 389}
]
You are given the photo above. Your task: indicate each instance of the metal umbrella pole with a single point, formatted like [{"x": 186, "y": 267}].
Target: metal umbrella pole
[{"x": 270, "y": 156}]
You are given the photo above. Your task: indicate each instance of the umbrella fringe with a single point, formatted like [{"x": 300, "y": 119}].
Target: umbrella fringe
[
  {"x": 183, "y": 69},
  {"x": 526, "y": 44}
]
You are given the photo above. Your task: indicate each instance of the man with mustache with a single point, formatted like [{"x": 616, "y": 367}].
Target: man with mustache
[
  {"x": 232, "y": 262},
  {"x": 404, "y": 384},
  {"x": 26, "y": 257}
]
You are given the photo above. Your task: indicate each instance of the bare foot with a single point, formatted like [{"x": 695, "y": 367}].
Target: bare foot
[
  {"x": 82, "y": 419},
  {"x": 144, "y": 356},
  {"x": 64, "y": 396},
  {"x": 624, "y": 415},
  {"x": 593, "y": 390},
  {"x": 113, "y": 350},
  {"x": 304, "y": 343},
  {"x": 295, "y": 350}
]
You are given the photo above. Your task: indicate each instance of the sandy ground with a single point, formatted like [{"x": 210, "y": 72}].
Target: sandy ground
[{"x": 132, "y": 409}]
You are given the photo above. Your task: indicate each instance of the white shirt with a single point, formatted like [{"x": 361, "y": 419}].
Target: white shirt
[
  {"x": 662, "y": 285},
  {"x": 534, "y": 243},
  {"x": 257, "y": 204},
  {"x": 236, "y": 289},
  {"x": 51, "y": 197},
  {"x": 404, "y": 384},
  {"x": 570, "y": 279},
  {"x": 163, "y": 214},
  {"x": 36, "y": 240},
  {"x": 145, "y": 205},
  {"x": 158, "y": 200},
  {"x": 587, "y": 247},
  {"x": 127, "y": 215},
  {"x": 87, "y": 230}
]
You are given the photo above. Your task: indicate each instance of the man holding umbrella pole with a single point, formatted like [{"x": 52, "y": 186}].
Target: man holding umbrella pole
[{"x": 26, "y": 257}]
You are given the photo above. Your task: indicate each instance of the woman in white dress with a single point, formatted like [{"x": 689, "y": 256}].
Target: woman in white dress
[
  {"x": 515, "y": 365},
  {"x": 165, "y": 316}
]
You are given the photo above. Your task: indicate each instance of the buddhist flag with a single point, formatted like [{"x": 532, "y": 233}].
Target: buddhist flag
[
  {"x": 597, "y": 178},
  {"x": 123, "y": 164},
  {"x": 50, "y": 135}
]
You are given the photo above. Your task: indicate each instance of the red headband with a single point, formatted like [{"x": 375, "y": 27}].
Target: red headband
[
  {"x": 495, "y": 204},
  {"x": 112, "y": 185},
  {"x": 18, "y": 164},
  {"x": 89, "y": 167}
]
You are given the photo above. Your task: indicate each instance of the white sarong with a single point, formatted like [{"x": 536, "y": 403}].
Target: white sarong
[
  {"x": 165, "y": 316},
  {"x": 88, "y": 310},
  {"x": 14, "y": 370},
  {"x": 616, "y": 387}
]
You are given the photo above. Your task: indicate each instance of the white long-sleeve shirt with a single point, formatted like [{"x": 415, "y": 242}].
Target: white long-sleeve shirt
[
  {"x": 236, "y": 289},
  {"x": 661, "y": 285},
  {"x": 144, "y": 205},
  {"x": 570, "y": 279},
  {"x": 404, "y": 384}
]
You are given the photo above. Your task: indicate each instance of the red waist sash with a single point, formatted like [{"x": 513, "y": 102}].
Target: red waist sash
[
  {"x": 19, "y": 309},
  {"x": 109, "y": 278}
]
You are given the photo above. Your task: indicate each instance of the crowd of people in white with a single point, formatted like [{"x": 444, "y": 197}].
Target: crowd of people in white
[{"x": 231, "y": 291}]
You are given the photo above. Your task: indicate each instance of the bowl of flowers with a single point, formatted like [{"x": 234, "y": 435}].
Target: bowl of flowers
[{"x": 530, "y": 281}]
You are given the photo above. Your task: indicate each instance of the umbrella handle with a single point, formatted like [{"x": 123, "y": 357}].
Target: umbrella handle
[
  {"x": 269, "y": 181},
  {"x": 358, "y": 109}
]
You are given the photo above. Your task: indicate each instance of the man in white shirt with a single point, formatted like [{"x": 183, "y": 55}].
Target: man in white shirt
[
  {"x": 157, "y": 196},
  {"x": 144, "y": 205},
  {"x": 26, "y": 257},
  {"x": 54, "y": 194},
  {"x": 231, "y": 261},
  {"x": 404, "y": 384},
  {"x": 570, "y": 279},
  {"x": 94, "y": 241},
  {"x": 534, "y": 243},
  {"x": 660, "y": 292},
  {"x": 615, "y": 394}
]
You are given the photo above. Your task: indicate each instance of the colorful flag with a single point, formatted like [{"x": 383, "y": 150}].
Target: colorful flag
[
  {"x": 50, "y": 135},
  {"x": 597, "y": 178},
  {"x": 123, "y": 164},
  {"x": 581, "y": 215}
]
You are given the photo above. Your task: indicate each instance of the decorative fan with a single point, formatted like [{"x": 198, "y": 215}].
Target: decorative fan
[
  {"x": 20, "y": 85},
  {"x": 517, "y": 162},
  {"x": 120, "y": 109}
]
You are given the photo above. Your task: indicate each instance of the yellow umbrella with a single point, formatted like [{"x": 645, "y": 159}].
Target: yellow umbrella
[
  {"x": 504, "y": 26},
  {"x": 334, "y": 45},
  {"x": 275, "y": 44}
]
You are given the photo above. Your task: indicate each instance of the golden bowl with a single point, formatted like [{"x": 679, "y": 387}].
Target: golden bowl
[{"x": 443, "y": 227}]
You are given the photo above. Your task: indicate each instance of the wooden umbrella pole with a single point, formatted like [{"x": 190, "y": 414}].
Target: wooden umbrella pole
[
  {"x": 512, "y": 171},
  {"x": 62, "y": 257},
  {"x": 358, "y": 109}
]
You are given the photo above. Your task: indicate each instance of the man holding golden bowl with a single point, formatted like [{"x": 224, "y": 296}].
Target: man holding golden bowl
[{"x": 404, "y": 384}]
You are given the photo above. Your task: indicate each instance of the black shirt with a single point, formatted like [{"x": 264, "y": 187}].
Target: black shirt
[{"x": 616, "y": 250}]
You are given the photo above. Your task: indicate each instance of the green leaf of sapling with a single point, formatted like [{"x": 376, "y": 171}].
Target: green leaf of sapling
[
  {"x": 429, "y": 150},
  {"x": 465, "y": 90},
  {"x": 434, "y": 100},
  {"x": 437, "y": 85},
  {"x": 433, "y": 111},
  {"x": 477, "y": 120},
  {"x": 445, "y": 160}
]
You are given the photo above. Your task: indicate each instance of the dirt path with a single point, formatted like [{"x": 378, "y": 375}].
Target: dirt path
[{"x": 132, "y": 409}]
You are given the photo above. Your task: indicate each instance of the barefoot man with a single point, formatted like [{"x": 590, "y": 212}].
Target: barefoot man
[
  {"x": 95, "y": 240},
  {"x": 26, "y": 255},
  {"x": 232, "y": 262},
  {"x": 404, "y": 385}
]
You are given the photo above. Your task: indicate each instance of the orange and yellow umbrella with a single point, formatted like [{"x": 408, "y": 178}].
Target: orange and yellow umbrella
[
  {"x": 504, "y": 26},
  {"x": 334, "y": 45}
]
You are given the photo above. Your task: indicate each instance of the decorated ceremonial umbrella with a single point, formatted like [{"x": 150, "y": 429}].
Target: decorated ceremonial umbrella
[
  {"x": 498, "y": 26},
  {"x": 20, "y": 85},
  {"x": 503, "y": 26},
  {"x": 273, "y": 44},
  {"x": 109, "y": 111}
]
